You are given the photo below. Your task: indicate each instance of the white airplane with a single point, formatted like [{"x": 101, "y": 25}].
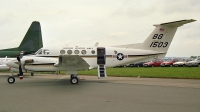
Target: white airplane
[{"x": 72, "y": 59}]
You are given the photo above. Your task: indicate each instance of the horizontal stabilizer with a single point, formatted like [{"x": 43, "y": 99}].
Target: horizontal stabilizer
[{"x": 176, "y": 23}]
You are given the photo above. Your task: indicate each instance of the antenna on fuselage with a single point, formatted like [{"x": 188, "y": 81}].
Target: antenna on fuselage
[{"x": 96, "y": 44}]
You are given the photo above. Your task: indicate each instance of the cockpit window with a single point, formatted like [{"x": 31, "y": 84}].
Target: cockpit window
[{"x": 39, "y": 51}]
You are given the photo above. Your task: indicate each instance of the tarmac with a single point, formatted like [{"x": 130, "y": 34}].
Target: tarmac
[{"x": 54, "y": 93}]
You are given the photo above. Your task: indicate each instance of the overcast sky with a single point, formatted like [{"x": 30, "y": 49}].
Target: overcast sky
[{"x": 109, "y": 22}]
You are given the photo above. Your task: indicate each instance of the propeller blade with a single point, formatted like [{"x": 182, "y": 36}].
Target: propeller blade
[
  {"x": 20, "y": 68},
  {"x": 20, "y": 72},
  {"x": 18, "y": 58}
]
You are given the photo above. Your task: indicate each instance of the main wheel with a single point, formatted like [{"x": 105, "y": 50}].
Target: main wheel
[
  {"x": 74, "y": 80},
  {"x": 32, "y": 74},
  {"x": 11, "y": 80}
]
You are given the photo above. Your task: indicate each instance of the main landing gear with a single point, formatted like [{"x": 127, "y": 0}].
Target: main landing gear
[{"x": 74, "y": 79}]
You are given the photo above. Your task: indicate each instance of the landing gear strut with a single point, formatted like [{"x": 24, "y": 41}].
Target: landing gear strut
[{"x": 74, "y": 79}]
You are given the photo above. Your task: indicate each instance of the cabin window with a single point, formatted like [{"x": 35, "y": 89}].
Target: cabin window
[
  {"x": 69, "y": 52},
  {"x": 92, "y": 51},
  {"x": 83, "y": 52},
  {"x": 76, "y": 52},
  {"x": 62, "y": 51},
  {"x": 115, "y": 52}
]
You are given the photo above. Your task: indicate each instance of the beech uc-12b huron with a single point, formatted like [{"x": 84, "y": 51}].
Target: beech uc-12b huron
[
  {"x": 31, "y": 43},
  {"x": 73, "y": 59}
]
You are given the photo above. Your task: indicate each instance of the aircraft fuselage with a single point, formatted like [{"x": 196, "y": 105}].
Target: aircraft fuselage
[{"x": 46, "y": 58}]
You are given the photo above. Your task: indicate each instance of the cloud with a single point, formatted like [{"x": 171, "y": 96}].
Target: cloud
[{"x": 110, "y": 22}]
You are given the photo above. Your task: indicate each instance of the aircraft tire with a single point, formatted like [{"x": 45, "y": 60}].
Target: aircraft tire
[
  {"x": 32, "y": 74},
  {"x": 11, "y": 80},
  {"x": 74, "y": 80}
]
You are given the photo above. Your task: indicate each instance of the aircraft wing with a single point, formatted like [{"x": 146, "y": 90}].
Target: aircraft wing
[{"x": 72, "y": 61}]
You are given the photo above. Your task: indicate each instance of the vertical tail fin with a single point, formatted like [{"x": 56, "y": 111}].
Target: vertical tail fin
[
  {"x": 33, "y": 39},
  {"x": 161, "y": 37}
]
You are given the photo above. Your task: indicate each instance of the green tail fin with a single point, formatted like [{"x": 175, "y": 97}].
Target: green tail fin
[{"x": 33, "y": 39}]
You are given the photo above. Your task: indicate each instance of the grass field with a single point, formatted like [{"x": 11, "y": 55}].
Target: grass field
[{"x": 155, "y": 72}]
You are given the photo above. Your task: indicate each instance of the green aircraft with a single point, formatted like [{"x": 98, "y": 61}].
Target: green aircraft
[{"x": 30, "y": 44}]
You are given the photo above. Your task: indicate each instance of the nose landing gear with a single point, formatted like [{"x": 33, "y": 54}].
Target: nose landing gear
[
  {"x": 74, "y": 79},
  {"x": 11, "y": 79}
]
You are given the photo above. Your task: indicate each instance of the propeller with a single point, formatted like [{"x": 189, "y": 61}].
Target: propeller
[{"x": 20, "y": 67}]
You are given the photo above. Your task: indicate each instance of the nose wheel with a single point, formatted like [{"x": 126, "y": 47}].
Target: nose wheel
[
  {"x": 11, "y": 80},
  {"x": 74, "y": 79},
  {"x": 32, "y": 73}
]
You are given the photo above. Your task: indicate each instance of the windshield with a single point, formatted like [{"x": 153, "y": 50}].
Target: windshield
[
  {"x": 155, "y": 61},
  {"x": 168, "y": 60},
  {"x": 39, "y": 51},
  {"x": 191, "y": 59}
]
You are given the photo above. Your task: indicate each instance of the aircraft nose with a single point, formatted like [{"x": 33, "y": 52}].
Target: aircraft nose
[{"x": 12, "y": 63}]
